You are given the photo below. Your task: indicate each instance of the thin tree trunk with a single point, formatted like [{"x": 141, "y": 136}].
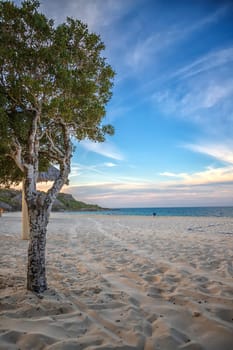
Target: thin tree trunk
[
  {"x": 36, "y": 276},
  {"x": 39, "y": 208}
]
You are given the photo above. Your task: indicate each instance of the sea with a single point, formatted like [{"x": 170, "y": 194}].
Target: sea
[{"x": 182, "y": 211}]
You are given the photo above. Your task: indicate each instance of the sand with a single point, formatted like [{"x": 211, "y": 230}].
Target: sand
[{"x": 120, "y": 283}]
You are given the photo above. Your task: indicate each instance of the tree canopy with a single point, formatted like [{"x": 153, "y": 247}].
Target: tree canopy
[
  {"x": 54, "y": 87},
  {"x": 57, "y": 73}
]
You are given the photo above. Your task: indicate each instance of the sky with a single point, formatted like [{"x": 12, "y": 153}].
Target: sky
[{"x": 172, "y": 103}]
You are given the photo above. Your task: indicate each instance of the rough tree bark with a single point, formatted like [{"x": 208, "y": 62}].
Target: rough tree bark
[
  {"x": 39, "y": 208},
  {"x": 25, "y": 218},
  {"x": 36, "y": 273},
  {"x": 38, "y": 205}
]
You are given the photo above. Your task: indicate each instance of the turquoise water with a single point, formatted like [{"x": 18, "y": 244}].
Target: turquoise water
[{"x": 195, "y": 211}]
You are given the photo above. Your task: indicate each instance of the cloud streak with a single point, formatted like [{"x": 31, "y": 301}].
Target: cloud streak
[
  {"x": 210, "y": 175},
  {"x": 95, "y": 13},
  {"x": 113, "y": 195},
  {"x": 203, "y": 95},
  {"x": 218, "y": 151},
  {"x": 106, "y": 149},
  {"x": 148, "y": 49},
  {"x": 212, "y": 186},
  {"x": 160, "y": 75},
  {"x": 210, "y": 61}
]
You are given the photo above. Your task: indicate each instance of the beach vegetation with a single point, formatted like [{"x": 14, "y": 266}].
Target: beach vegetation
[
  {"x": 11, "y": 200},
  {"x": 54, "y": 87}
]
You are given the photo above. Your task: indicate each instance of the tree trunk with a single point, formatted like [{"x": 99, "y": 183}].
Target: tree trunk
[
  {"x": 36, "y": 276},
  {"x": 25, "y": 218}
]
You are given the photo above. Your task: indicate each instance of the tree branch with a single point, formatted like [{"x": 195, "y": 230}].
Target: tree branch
[
  {"x": 64, "y": 164},
  {"x": 16, "y": 155},
  {"x": 52, "y": 145}
]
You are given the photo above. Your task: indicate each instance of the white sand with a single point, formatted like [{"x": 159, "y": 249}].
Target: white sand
[{"x": 120, "y": 283}]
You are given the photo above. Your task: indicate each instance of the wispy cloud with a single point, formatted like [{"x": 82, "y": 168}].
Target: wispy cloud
[
  {"x": 210, "y": 175},
  {"x": 210, "y": 186},
  {"x": 106, "y": 149},
  {"x": 148, "y": 50},
  {"x": 145, "y": 194},
  {"x": 75, "y": 171},
  {"x": 211, "y": 60},
  {"x": 96, "y": 14},
  {"x": 79, "y": 171},
  {"x": 203, "y": 94},
  {"x": 221, "y": 152},
  {"x": 210, "y": 19}
]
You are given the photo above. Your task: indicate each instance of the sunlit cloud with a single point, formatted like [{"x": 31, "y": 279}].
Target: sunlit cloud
[
  {"x": 210, "y": 175},
  {"x": 211, "y": 186},
  {"x": 175, "y": 66},
  {"x": 221, "y": 152},
  {"x": 133, "y": 195}
]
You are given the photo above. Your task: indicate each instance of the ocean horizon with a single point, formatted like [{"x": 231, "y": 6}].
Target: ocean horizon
[{"x": 220, "y": 211}]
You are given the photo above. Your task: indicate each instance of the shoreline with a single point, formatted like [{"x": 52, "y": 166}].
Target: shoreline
[
  {"x": 120, "y": 282},
  {"x": 202, "y": 212}
]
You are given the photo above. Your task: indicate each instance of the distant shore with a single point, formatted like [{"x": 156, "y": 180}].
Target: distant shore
[
  {"x": 120, "y": 282},
  {"x": 11, "y": 201}
]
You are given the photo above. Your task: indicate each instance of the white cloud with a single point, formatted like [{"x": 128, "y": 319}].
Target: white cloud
[
  {"x": 97, "y": 14},
  {"x": 210, "y": 175},
  {"x": 216, "y": 93},
  {"x": 82, "y": 171},
  {"x": 106, "y": 149},
  {"x": 210, "y": 186},
  {"x": 170, "y": 174},
  {"x": 196, "y": 96},
  {"x": 75, "y": 171},
  {"x": 188, "y": 192},
  {"x": 147, "y": 50},
  {"x": 211, "y": 18},
  {"x": 205, "y": 99},
  {"x": 205, "y": 63},
  {"x": 110, "y": 165},
  {"x": 221, "y": 152}
]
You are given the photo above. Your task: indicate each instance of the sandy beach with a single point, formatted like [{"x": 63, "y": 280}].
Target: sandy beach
[{"x": 120, "y": 283}]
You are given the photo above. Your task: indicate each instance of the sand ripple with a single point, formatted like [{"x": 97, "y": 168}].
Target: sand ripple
[{"x": 121, "y": 283}]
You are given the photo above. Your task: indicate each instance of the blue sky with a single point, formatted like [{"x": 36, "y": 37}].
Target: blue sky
[{"x": 172, "y": 104}]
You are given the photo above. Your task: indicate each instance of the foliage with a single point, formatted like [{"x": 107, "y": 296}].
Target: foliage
[
  {"x": 65, "y": 201},
  {"x": 54, "y": 86},
  {"x": 54, "y": 81},
  {"x": 71, "y": 204}
]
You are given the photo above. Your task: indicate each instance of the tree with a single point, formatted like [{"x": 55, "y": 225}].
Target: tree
[{"x": 54, "y": 87}]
